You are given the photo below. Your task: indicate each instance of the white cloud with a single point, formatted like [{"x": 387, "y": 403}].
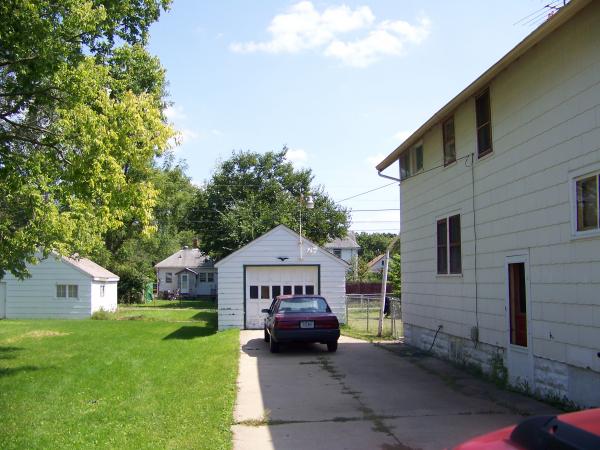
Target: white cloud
[
  {"x": 373, "y": 160},
  {"x": 302, "y": 27},
  {"x": 175, "y": 112},
  {"x": 297, "y": 155},
  {"x": 401, "y": 136}
]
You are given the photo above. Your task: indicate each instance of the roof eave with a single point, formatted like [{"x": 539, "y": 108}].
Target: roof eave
[{"x": 562, "y": 16}]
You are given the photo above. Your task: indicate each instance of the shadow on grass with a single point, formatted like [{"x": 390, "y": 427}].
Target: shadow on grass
[
  {"x": 208, "y": 316},
  {"x": 190, "y": 332},
  {"x": 9, "y": 352},
  {"x": 8, "y": 371}
]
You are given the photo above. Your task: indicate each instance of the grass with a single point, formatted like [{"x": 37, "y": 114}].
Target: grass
[
  {"x": 201, "y": 303},
  {"x": 363, "y": 326},
  {"x": 164, "y": 379}
]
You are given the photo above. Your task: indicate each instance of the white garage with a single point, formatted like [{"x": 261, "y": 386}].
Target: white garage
[{"x": 278, "y": 262}]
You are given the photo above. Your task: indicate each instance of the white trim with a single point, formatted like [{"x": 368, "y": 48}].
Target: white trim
[
  {"x": 574, "y": 176},
  {"x": 519, "y": 256},
  {"x": 447, "y": 217}
]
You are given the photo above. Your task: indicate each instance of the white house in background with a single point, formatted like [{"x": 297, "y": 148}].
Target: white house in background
[
  {"x": 59, "y": 287},
  {"x": 278, "y": 262},
  {"x": 188, "y": 270},
  {"x": 377, "y": 264},
  {"x": 345, "y": 248},
  {"x": 500, "y": 214}
]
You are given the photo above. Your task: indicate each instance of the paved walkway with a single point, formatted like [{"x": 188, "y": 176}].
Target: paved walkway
[{"x": 362, "y": 397}]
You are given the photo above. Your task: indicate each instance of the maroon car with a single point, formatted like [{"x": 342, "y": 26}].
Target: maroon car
[
  {"x": 572, "y": 431},
  {"x": 301, "y": 318}
]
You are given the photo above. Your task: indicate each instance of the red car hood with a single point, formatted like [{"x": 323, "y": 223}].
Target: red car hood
[{"x": 588, "y": 420}]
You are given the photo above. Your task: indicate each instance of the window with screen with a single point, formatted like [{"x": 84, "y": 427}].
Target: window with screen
[
  {"x": 448, "y": 237},
  {"x": 449, "y": 144},
  {"x": 484, "y": 123},
  {"x": 210, "y": 277}
]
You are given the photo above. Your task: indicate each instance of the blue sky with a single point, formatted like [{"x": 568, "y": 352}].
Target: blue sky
[{"x": 340, "y": 83}]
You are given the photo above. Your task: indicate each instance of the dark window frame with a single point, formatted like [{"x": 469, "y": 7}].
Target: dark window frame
[
  {"x": 449, "y": 245},
  {"x": 449, "y": 141},
  {"x": 254, "y": 292},
  {"x": 483, "y": 123},
  {"x": 580, "y": 203}
]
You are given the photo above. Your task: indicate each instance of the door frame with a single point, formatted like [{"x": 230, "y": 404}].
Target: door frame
[
  {"x": 245, "y": 266},
  {"x": 512, "y": 349},
  {"x": 187, "y": 282}
]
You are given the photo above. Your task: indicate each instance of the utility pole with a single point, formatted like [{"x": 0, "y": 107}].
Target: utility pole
[{"x": 384, "y": 283}]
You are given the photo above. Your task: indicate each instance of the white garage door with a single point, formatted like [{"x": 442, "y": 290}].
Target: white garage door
[{"x": 264, "y": 283}]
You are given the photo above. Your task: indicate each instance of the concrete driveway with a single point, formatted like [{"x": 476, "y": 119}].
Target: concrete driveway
[{"x": 365, "y": 396}]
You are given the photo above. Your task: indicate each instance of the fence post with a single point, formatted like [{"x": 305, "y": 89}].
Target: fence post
[
  {"x": 367, "y": 314},
  {"x": 347, "y": 318}
]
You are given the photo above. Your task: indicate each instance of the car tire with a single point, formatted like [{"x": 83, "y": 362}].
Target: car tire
[
  {"x": 332, "y": 346},
  {"x": 267, "y": 337},
  {"x": 273, "y": 346}
]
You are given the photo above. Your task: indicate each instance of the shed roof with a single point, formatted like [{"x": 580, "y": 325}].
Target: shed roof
[
  {"x": 375, "y": 260},
  {"x": 562, "y": 16},
  {"x": 96, "y": 271},
  {"x": 349, "y": 241},
  {"x": 186, "y": 258}
]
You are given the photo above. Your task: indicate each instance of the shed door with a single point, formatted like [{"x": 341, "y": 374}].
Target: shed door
[
  {"x": 265, "y": 283},
  {"x": 2, "y": 300}
]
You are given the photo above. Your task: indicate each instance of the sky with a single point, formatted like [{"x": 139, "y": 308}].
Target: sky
[{"x": 340, "y": 83}]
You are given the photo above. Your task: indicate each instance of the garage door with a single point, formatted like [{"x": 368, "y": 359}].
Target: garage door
[{"x": 264, "y": 283}]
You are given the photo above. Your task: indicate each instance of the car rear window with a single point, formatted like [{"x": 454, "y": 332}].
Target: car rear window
[{"x": 303, "y": 305}]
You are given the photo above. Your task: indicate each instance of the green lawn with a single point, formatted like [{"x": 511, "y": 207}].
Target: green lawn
[
  {"x": 364, "y": 325},
  {"x": 153, "y": 379}
]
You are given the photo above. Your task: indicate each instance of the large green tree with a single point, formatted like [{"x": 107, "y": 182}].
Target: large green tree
[
  {"x": 80, "y": 123},
  {"x": 374, "y": 244},
  {"x": 250, "y": 193}
]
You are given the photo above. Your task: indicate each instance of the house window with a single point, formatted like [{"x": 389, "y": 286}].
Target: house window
[
  {"x": 253, "y": 292},
  {"x": 102, "y": 290},
  {"x": 61, "y": 291},
  {"x": 202, "y": 277},
  {"x": 67, "y": 291},
  {"x": 264, "y": 292},
  {"x": 337, "y": 252},
  {"x": 168, "y": 277},
  {"x": 449, "y": 144},
  {"x": 73, "y": 291},
  {"x": 449, "y": 259},
  {"x": 210, "y": 277},
  {"x": 411, "y": 161},
  {"x": 484, "y": 124},
  {"x": 588, "y": 210}
]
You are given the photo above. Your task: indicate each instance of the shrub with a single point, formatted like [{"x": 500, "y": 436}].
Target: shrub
[{"x": 102, "y": 314}]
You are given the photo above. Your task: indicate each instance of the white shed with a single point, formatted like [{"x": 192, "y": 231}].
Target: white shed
[
  {"x": 278, "y": 262},
  {"x": 59, "y": 287}
]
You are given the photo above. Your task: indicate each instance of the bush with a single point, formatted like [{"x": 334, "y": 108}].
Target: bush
[{"x": 102, "y": 314}]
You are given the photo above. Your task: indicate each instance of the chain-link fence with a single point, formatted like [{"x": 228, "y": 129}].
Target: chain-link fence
[{"x": 362, "y": 313}]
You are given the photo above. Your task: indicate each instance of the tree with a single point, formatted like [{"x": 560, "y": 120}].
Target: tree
[
  {"x": 395, "y": 272},
  {"x": 131, "y": 254},
  {"x": 80, "y": 123},
  {"x": 250, "y": 193},
  {"x": 374, "y": 244}
]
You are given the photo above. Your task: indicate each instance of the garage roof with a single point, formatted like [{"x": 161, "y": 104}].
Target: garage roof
[{"x": 294, "y": 234}]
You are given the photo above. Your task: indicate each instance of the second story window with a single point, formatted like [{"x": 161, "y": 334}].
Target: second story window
[
  {"x": 449, "y": 258},
  {"x": 337, "y": 252},
  {"x": 449, "y": 145},
  {"x": 411, "y": 161},
  {"x": 484, "y": 123}
]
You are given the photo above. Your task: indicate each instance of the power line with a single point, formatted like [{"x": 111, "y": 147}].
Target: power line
[{"x": 366, "y": 192}]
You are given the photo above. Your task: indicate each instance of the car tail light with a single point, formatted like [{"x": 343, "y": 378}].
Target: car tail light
[
  {"x": 283, "y": 324},
  {"x": 327, "y": 322}
]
